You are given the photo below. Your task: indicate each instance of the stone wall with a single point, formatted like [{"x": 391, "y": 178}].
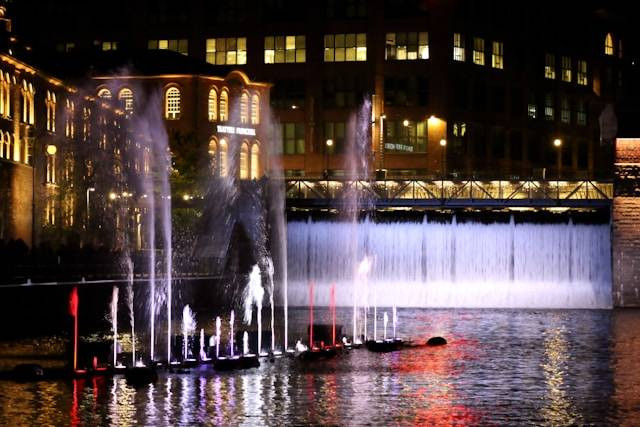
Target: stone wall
[
  {"x": 626, "y": 224},
  {"x": 16, "y": 198}
]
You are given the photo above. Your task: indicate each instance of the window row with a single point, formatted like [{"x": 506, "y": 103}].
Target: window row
[
  {"x": 565, "y": 108},
  {"x": 566, "y": 69},
  {"x": 478, "y": 51},
  {"x": 248, "y": 163},
  {"x": 217, "y": 104}
]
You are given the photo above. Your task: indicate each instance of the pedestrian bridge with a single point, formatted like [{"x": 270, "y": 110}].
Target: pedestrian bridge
[{"x": 318, "y": 193}]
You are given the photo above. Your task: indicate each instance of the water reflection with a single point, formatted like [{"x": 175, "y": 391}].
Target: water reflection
[{"x": 500, "y": 367}]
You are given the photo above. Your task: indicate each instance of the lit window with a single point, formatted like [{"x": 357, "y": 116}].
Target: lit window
[
  {"x": 244, "y": 108},
  {"x": 172, "y": 103},
  {"x": 227, "y": 51},
  {"x": 458, "y": 47},
  {"x": 50, "y": 211},
  {"x": 549, "y": 66},
  {"x": 68, "y": 206},
  {"x": 212, "y": 105},
  {"x": 406, "y": 138},
  {"x": 224, "y": 106},
  {"x": 403, "y": 46},
  {"x": 255, "y": 109},
  {"x": 109, "y": 46},
  {"x": 582, "y": 73},
  {"x": 548, "y": 107},
  {"x": 50, "y": 171},
  {"x": 566, "y": 69},
  {"x": 608, "y": 44},
  {"x": 213, "y": 155},
  {"x": 5, "y": 145},
  {"x": 497, "y": 55},
  {"x": 284, "y": 49},
  {"x": 244, "y": 160},
  {"x": 69, "y": 125},
  {"x": 293, "y": 138},
  {"x": 28, "y": 107},
  {"x": 5, "y": 94},
  {"x": 345, "y": 47},
  {"x": 255, "y": 161},
  {"x": 104, "y": 93},
  {"x": 478, "y": 51},
  {"x": 565, "y": 111},
  {"x": 176, "y": 45},
  {"x": 125, "y": 96},
  {"x": 224, "y": 166},
  {"x": 532, "y": 110},
  {"x": 51, "y": 111},
  {"x": 69, "y": 168},
  {"x": 581, "y": 115}
]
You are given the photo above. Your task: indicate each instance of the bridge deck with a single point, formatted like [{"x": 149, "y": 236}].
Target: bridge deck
[{"x": 449, "y": 193}]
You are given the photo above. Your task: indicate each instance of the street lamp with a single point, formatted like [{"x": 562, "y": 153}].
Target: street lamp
[
  {"x": 89, "y": 190},
  {"x": 443, "y": 144},
  {"x": 558, "y": 144},
  {"x": 328, "y": 144}
]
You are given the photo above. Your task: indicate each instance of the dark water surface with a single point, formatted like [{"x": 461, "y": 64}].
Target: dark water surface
[{"x": 501, "y": 367}]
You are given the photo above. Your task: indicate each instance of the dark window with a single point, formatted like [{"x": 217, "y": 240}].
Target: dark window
[
  {"x": 498, "y": 143},
  {"x": 515, "y": 145},
  {"x": 346, "y": 9},
  {"x": 460, "y": 95},
  {"x": 336, "y": 132},
  {"x": 288, "y": 93},
  {"x": 499, "y": 100},
  {"x": 404, "y": 8},
  {"x": 479, "y": 96},
  {"x": 406, "y": 91},
  {"x": 293, "y": 138},
  {"x": 517, "y": 105},
  {"x": 343, "y": 90}
]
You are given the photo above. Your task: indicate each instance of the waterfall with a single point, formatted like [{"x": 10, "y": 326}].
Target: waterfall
[{"x": 457, "y": 264}]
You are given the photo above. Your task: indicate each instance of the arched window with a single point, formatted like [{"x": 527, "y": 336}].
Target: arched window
[
  {"x": 244, "y": 160},
  {"x": 255, "y": 109},
  {"x": 244, "y": 108},
  {"x": 255, "y": 161},
  {"x": 125, "y": 96},
  {"x": 104, "y": 93},
  {"x": 69, "y": 125},
  {"x": 51, "y": 111},
  {"x": 224, "y": 106},
  {"x": 172, "y": 103},
  {"x": 224, "y": 151},
  {"x": 4, "y": 146},
  {"x": 28, "y": 110},
  {"x": 3, "y": 93},
  {"x": 212, "y": 106},
  {"x": 608, "y": 44},
  {"x": 213, "y": 155}
]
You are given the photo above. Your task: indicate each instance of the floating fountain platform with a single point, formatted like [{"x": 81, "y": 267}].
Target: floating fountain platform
[
  {"x": 384, "y": 346},
  {"x": 141, "y": 375},
  {"x": 317, "y": 354},
  {"x": 236, "y": 362}
]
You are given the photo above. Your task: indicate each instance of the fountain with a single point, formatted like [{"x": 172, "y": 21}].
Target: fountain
[
  {"x": 203, "y": 353},
  {"x": 231, "y": 319},
  {"x": 188, "y": 328},
  {"x": 395, "y": 321},
  {"x": 131, "y": 311},
  {"x": 375, "y": 315},
  {"x": 254, "y": 293},
  {"x": 245, "y": 343},
  {"x": 114, "y": 323},
  {"x": 218, "y": 326},
  {"x": 385, "y": 319},
  {"x": 270, "y": 271},
  {"x": 311, "y": 346},
  {"x": 333, "y": 314}
]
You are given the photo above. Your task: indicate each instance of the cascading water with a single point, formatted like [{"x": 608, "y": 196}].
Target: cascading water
[
  {"x": 433, "y": 264},
  {"x": 270, "y": 272},
  {"x": 131, "y": 312},
  {"x": 385, "y": 320},
  {"x": 231, "y": 320},
  {"x": 203, "y": 353},
  {"x": 245, "y": 343}
]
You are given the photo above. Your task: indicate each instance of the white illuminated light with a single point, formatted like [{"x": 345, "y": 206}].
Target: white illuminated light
[
  {"x": 236, "y": 130},
  {"x": 557, "y": 142},
  {"x": 51, "y": 149},
  {"x": 112, "y": 196},
  {"x": 329, "y": 142},
  {"x": 443, "y": 142},
  {"x": 405, "y": 123}
]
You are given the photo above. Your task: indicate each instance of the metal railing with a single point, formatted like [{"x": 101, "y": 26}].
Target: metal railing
[{"x": 398, "y": 192}]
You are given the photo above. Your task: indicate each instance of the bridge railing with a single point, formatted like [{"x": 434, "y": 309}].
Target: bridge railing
[{"x": 444, "y": 191}]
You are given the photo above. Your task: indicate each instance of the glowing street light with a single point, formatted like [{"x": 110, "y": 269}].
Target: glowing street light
[
  {"x": 405, "y": 123},
  {"x": 557, "y": 142},
  {"x": 89, "y": 190},
  {"x": 443, "y": 142},
  {"x": 112, "y": 196},
  {"x": 52, "y": 150},
  {"x": 329, "y": 144}
]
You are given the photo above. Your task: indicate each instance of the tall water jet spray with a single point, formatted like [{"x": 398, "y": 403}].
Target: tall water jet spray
[
  {"x": 362, "y": 272},
  {"x": 254, "y": 293},
  {"x": 188, "y": 328},
  {"x": 231, "y": 320},
  {"x": 245, "y": 343},
  {"x": 311, "y": 315},
  {"x": 333, "y": 314},
  {"x": 218, "y": 327},
  {"x": 375, "y": 316},
  {"x": 395, "y": 321},
  {"x": 203, "y": 353},
  {"x": 270, "y": 272},
  {"x": 114, "y": 323},
  {"x": 385, "y": 321},
  {"x": 131, "y": 311}
]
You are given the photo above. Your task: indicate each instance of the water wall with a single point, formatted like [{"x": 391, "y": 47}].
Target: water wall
[{"x": 436, "y": 264}]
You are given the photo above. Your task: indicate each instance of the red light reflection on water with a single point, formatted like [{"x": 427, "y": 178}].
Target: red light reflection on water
[{"x": 438, "y": 402}]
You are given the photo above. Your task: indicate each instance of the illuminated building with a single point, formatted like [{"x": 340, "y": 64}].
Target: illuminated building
[{"x": 500, "y": 80}]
